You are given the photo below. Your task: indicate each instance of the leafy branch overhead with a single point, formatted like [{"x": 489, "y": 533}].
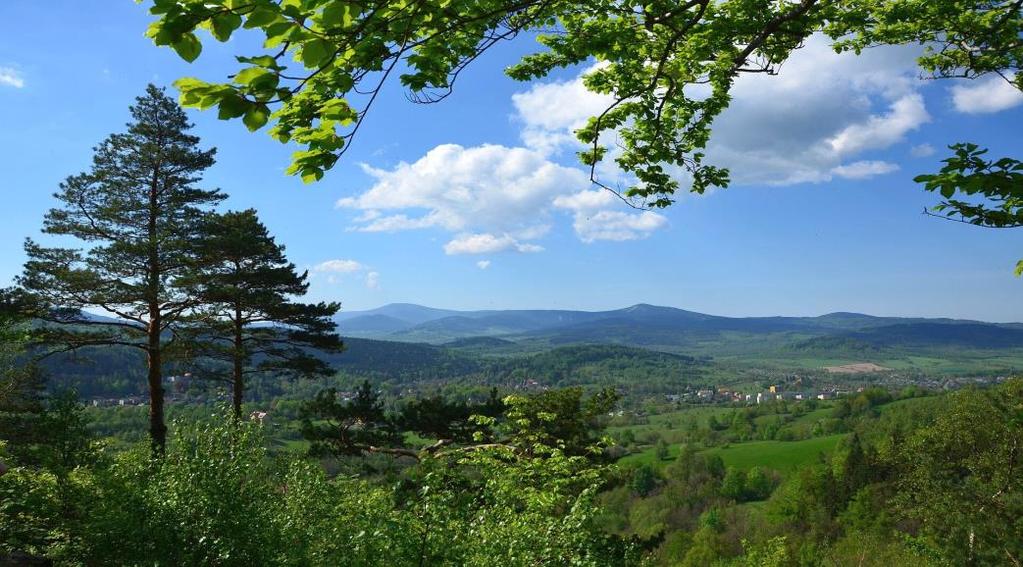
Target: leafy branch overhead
[
  {"x": 324, "y": 62},
  {"x": 994, "y": 189},
  {"x": 667, "y": 67}
]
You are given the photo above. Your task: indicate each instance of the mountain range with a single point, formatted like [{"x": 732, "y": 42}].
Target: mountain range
[{"x": 669, "y": 328}]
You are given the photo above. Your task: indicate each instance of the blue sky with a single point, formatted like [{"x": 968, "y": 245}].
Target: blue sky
[{"x": 477, "y": 202}]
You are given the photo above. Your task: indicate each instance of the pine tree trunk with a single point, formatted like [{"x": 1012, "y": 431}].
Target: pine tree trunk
[
  {"x": 238, "y": 377},
  {"x": 157, "y": 428}
]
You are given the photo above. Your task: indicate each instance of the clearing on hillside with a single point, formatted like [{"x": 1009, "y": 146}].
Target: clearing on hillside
[{"x": 858, "y": 368}]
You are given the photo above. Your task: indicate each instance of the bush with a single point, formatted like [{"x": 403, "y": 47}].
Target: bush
[{"x": 218, "y": 498}]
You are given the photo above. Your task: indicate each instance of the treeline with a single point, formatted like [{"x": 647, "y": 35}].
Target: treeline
[
  {"x": 113, "y": 371},
  {"x": 513, "y": 479}
]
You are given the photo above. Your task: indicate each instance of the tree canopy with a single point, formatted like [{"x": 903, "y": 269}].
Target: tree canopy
[{"x": 667, "y": 67}]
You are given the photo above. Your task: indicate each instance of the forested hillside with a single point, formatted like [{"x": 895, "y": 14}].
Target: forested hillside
[{"x": 190, "y": 376}]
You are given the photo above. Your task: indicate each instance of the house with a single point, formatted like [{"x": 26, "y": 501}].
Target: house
[{"x": 180, "y": 383}]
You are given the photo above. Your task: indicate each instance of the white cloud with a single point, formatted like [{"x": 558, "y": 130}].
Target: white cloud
[
  {"x": 551, "y": 112},
  {"x": 616, "y": 225},
  {"x": 11, "y": 77},
  {"x": 796, "y": 127},
  {"x": 821, "y": 110},
  {"x": 334, "y": 271},
  {"x": 338, "y": 266},
  {"x": 492, "y": 198},
  {"x": 809, "y": 124},
  {"x": 864, "y": 169},
  {"x": 485, "y": 188},
  {"x": 983, "y": 96},
  {"x": 922, "y": 150},
  {"x": 483, "y": 264},
  {"x": 880, "y": 131},
  {"x": 593, "y": 218},
  {"x": 585, "y": 200},
  {"x": 485, "y": 243}
]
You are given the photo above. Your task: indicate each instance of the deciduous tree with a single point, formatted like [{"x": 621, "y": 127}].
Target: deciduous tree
[{"x": 666, "y": 68}]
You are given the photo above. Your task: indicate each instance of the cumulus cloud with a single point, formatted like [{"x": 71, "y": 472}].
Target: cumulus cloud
[
  {"x": 821, "y": 110},
  {"x": 987, "y": 95},
  {"x": 585, "y": 200},
  {"x": 483, "y": 264},
  {"x": 551, "y": 112},
  {"x": 335, "y": 270},
  {"x": 616, "y": 225},
  {"x": 485, "y": 243},
  {"x": 811, "y": 123},
  {"x": 594, "y": 219},
  {"x": 338, "y": 266},
  {"x": 492, "y": 198},
  {"x": 880, "y": 131},
  {"x": 491, "y": 187},
  {"x": 11, "y": 77},
  {"x": 864, "y": 169},
  {"x": 922, "y": 150}
]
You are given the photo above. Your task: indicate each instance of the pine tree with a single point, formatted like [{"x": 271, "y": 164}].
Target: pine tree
[
  {"x": 138, "y": 214},
  {"x": 352, "y": 426},
  {"x": 249, "y": 321}
]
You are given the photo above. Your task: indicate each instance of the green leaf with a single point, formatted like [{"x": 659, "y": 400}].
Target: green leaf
[
  {"x": 224, "y": 25},
  {"x": 261, "y": 61},
  {"x": 338, "y": 109},
  {"x": 316, "y": 52},
  {"x": 188, "y": 47},
  {"x": 186, "y": 84},
  {"x": 261, "y": 17},
  {"x": 256, "y": 117},
  {"x": 246, "y": 76},
  {"x": 337, "y": 14},
  {"x": 1019, "y": 268},
  {"x": 233, "y": 106}
]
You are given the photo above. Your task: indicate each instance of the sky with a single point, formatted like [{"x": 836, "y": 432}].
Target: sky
[{"x": 478, "y": 202}]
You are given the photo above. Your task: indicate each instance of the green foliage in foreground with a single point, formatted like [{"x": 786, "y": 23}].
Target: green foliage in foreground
[
  {"x": 929, "y": 483},
  {"x": 218, "y": 498}
]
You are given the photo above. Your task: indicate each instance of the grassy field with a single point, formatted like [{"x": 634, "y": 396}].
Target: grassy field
[
  {"x": 662, "y": 421},
  {"x": 783, "y": 456}
]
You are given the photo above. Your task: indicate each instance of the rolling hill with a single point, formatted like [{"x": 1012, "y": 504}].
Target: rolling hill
[{"x": 669, "y": 328}]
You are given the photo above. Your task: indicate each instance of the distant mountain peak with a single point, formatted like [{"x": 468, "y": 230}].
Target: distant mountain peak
[
  {"x": 847, "y": 315},
  {"x": 644, "y": 307}
]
